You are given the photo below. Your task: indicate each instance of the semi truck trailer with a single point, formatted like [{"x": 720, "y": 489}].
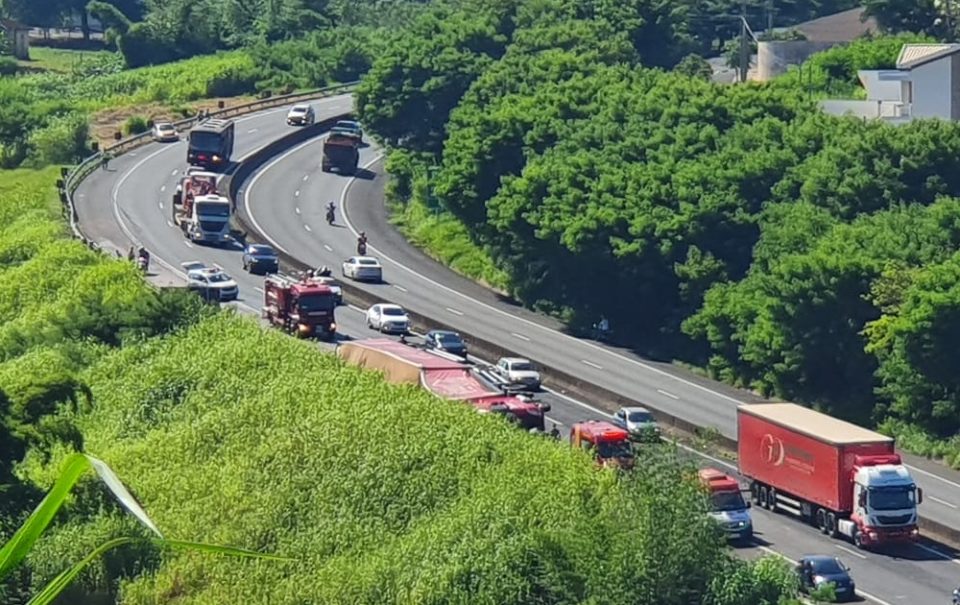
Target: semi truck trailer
[{"x": 844, "y": 479}]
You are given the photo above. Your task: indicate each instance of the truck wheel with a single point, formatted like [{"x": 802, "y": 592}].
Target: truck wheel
[
  {"x": 762, "y": 496},
  {"x": 832, "y": 525},
  {"x": 821, "y": 520},
  {"x": 772, "y": 499},
  {"x": 857, "y": 540}
]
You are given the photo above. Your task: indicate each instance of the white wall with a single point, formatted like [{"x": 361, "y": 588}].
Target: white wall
[
  {"x": 931, "y": 89},
  {"x": 877, "y": 89}
]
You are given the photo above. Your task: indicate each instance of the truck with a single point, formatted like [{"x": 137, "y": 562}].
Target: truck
[
  {"x": 210, "y": 144},
  {"x": 609, "y": 444},
  {"x": 727, "y": 506},
  {"x": 202, "y": 212},
  {"x": 299, "y": 307},
  {"x": 845, "y": 480},
  {"x": 341, "y": 151}
]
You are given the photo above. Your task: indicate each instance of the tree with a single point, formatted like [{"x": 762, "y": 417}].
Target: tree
[{"x": 917, "y": 16}]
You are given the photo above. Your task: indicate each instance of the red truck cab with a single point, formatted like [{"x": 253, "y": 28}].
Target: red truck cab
[
  {"x": 303, "y": 308},
  {"x": 609, "y": 444}
]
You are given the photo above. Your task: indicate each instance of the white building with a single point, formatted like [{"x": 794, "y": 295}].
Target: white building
[{"x": 925, "y": 84}]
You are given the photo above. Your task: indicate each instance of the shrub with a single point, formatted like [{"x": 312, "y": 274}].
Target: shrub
[
  {"x": 62, "y": 141},
  {"x": 135, "y": 125}
]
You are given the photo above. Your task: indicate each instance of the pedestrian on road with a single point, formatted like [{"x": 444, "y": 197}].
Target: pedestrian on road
[{"x": 132, "y": 254}]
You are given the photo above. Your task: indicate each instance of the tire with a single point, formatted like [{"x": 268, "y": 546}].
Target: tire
[
  {"x": 763, "y": 497},
  {"x": 820, "y": 520},
  {"x": 832, "y": 525},
  {"x": 857, "y": 540}
]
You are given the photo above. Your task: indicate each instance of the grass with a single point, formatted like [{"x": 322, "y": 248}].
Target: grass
[
  {"x": 444, "y": 238},
  {"x": 62, "y": 60}
]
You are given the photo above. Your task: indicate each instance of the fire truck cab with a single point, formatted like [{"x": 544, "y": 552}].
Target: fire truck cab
[
  {"x": 303, "y": 308},
  {"x": 609, "y": 444}
]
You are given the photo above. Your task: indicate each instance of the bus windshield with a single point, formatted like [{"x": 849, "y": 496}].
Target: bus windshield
[{"x": 206, "y": 141}]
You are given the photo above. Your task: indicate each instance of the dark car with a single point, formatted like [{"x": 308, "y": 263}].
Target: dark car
[
  {"x": 448, "y": 342},
  {"x": 817, "y": 570},
  {"x": 260, "y": 258}
]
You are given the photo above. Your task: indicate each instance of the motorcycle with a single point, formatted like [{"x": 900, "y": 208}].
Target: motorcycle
[
  {"x": 143, "y": 263},
  {"x": 956, "y": 596},
  {"x": 361, "y": 248}
]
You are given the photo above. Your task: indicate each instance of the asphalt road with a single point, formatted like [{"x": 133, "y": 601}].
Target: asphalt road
[
  {"x": 129, "y": 203},
  {"x": 285, "y": 200}
]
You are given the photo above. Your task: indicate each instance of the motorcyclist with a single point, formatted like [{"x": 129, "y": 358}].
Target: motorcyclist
[
  {"x": 331, "y": 216},
  {"x": 323, "y": 271},
  {"x": 131, "y": 255},
  {"x": 555, "y": 432},
  {"x": 956, "y": 596},
  {"x": 362, "y": 243},
  {"x": 144, "y": 255}
]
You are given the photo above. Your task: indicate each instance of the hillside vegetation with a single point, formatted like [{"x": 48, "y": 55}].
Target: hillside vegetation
[
  {"x": 234, "y": 434},
  {"x": 806, "y": 256}
]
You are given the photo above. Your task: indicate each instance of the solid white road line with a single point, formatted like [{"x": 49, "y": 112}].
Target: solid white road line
[
  {"x": 851, "y": 551},
  {"x": 943, "y": 502},
  {"x": 938, "y": 553}
]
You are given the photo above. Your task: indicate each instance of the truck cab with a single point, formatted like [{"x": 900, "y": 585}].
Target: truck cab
[
  {"x": 727, "y": 505},
  {"x": 609, "y": 444},
  {"x": 885, "y": 499},
  {"x": 303, "y": 308}
]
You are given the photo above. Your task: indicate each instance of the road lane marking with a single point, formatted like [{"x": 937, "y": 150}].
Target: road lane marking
[
  {"x": 174, "y": 173},
  {"x": 670, "y": 395},
  {"x": 355, "y": 308},
  {"x": 328, "y": 248},
  {"x": 260, "y": 290},
  {"x": 170, "y": 223},
  {"x": 520, "y": 336},
  {"x": 296, "y": 193},
  {"x": 163, "y": 188},
  {"x": 850, "y": 550},
  {"x": 935, "y": 476},
  {"x": 936, "y": 552},
  {"x": 297, "y": 209},
  {"x": 556, "y": 422},
  {"x": 188, "y": 244},
  {"x": 591, "y": 364},
  {"x": 160, "y": 204},
  {"x": 306, "y": 176},
  {"x": 252, "y": 130},
  {"x": 865, "y": 595},
  {"x": 455, "y": 312},
  {"x": 943, "y": 502},
  {"x": 307, "y": 227},
  {"x": 401, "y": 288}
]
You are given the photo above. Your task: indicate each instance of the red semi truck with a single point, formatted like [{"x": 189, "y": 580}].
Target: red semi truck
[{"x": 844, "y": 479}]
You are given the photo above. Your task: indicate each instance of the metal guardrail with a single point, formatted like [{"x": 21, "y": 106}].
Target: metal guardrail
[{"x": 71, "y": 178}]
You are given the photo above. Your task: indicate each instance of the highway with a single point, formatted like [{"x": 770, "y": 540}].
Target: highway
[{"x": 129, "y": 203}]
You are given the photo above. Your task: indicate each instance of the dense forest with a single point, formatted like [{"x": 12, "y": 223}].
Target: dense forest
[
  {"x": 378, "y": 494},
  {"x": 735, "y": 227}
]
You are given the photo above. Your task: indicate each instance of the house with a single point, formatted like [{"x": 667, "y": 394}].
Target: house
[
  {"x": 18, "y": 38},
  {"x": 925, "y": 84},
  {"x": 775, "y": 56}
]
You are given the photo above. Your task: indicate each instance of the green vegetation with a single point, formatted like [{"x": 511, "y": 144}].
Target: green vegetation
[
  {"x": 806, "y": 256},
  {"x": 380, "y": 494},
  {"x": 62, "y": 60}
]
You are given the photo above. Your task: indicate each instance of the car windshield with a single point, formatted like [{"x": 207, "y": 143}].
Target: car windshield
[
  {"x": 826, "y": 566},
  {"x": 727, "y": 501},
  {"x": 217, "y": 277},
  {"x": 639, "y": 417},
  {"x": 395, "y": 311},
  {"x": 165, "y": 127},
  {"x": 522, "y": 366},
  {"x": 211, "y": 209},
  {"x": 205, "y": 141},
  {"x": 449, "y": 338},
  {"x": 299, "y": 110},
  {"x": 614, "y": 449},
  {"x": 891, "y": 498},
  {"x": 316, "y": 302}
]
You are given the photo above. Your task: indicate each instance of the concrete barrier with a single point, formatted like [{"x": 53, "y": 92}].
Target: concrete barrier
[{"x": 594, "y": 394}]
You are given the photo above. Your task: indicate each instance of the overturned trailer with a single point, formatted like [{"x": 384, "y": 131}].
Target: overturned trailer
[{"x": 404, "y": 364}]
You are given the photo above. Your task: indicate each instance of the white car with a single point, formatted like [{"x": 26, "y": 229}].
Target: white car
[
  {"x": 165, "y": 131},
  {"x": 388, "y": 318},
  {"x": 212, "y": 283},
  {"x": 301, "y": 115},
  {"x": 518, "y": 371},
  {"x": 363, "y": 268}
]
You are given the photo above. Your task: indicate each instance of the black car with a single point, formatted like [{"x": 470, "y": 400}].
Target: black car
[
  {"x": 260, "y": 258},
  {"x": 446, "y": 341},
  {"x": 817, "y": 570}
]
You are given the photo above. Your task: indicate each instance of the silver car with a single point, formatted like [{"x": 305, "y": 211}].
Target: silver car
[
  {"x": 639, "y": 422},
  {"x": 388, "y": 318}
]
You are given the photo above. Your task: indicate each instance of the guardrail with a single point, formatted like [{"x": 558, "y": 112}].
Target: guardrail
[
  {"x": 71, "y": 178},
  {"x": 560, "y": 381}
]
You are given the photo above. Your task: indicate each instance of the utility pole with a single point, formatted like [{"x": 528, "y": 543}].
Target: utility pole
[
  {"x": 770, "y": 17},
  {"x": 744, "y": 46}
]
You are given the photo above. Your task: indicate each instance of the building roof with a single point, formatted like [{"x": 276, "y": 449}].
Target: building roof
[
  {"x": 839, "y": 27},
  {"x": 813, "y": 423},
  {"x": 915, "y": 55}
]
